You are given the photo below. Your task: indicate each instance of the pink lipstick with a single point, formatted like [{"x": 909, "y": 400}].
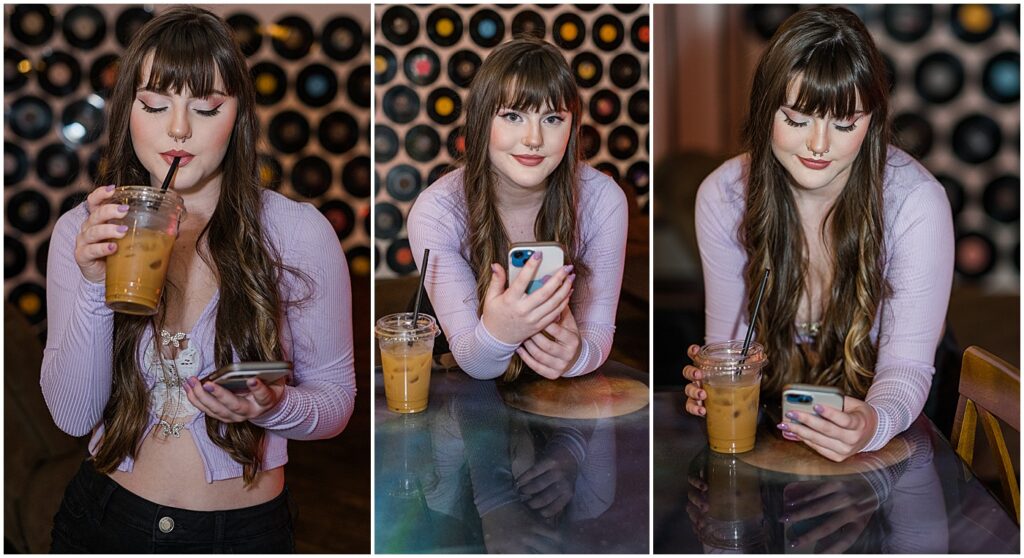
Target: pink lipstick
[
  {"x": 170, "y": 155},
  {"x": 814, "y": 164},
  {"x": 529, "y": 160}
]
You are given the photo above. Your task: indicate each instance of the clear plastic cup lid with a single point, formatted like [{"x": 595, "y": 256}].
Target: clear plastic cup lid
[{"x": 401, "y": 326}]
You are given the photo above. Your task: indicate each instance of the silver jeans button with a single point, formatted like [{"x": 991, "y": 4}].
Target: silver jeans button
[{"x": 166, "y": 524}]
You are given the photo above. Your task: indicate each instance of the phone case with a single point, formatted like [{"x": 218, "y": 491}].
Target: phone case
[
  {"x": 234, "y": 376},
  {"x": 520, "y": 253},
  {"x": 803, "y": 397}
]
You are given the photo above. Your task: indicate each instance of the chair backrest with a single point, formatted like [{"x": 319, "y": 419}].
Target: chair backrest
[{"x": 989, "y": 389}]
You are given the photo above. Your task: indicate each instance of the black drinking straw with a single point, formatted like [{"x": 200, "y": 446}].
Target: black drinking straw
[
  {"x": 757, "y": 308},
  {"x": 170, "y": 173},
  {"x": 419, "y": 291}
]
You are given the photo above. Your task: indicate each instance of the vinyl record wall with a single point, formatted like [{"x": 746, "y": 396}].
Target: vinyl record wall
[
  {"x": 425, "y": 58},
  {"x": 312, "y": 75}
]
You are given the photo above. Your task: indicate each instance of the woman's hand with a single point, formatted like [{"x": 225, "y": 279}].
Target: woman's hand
[
  {"x": 93, "y": 244},
  {"x": 511, "y": 315},
  {"x": 838, "y": 512},
  {"x": 554, "y": 350},
  {"x": 550, "y": 483},
  {"x": 834, "y": 434},
  {"x": 226, "y": 406},
  {"x": 695, "y": 394}
]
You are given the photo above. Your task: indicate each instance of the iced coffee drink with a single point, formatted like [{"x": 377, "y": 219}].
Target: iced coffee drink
[
  {"x": 406, "y": 353},
  {"x": 733, "y": 383}
]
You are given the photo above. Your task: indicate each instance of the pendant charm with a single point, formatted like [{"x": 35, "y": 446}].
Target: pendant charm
[{"x": 168, "y": 339}]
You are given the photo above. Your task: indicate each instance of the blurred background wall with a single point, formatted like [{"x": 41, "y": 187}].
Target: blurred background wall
[
  {"x": 956, "y": 88},
  {"x": 312, "y": 74}
]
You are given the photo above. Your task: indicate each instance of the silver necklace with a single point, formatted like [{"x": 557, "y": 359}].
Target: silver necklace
[{"x": 172, "y": 386}]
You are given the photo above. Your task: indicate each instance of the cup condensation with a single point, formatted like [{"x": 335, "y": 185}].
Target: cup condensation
[
  {"x": 406, "y": 353},
  {"x": 136, "y": 271},
  {"x": 733, "y": 384}
]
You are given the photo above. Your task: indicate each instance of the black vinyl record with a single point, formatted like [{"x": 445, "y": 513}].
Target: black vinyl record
[
  {"x": 97, "y": 165},
  {"x": 57, "y": 165},
  {"x": 103, "y": 74},
  {"x": 587, "y": 68},
  {"x": 422, "y": 66},
  {"x": 623, "y": 142},
  {"x": 359, "y": 263},
  {"x": 1001, "y": 78},
  {"x": 387, "y": 220},
  {"x": 71, "y": 201},
  {"x": 30, "y": 300},
  {"x": 891, "y": 74},
  {"x": 82, "y": 121},
  {"x": 605, "y": 107},
  {"x": 355, "y": 176},
  {"x": 915, "y": 133},
  {"x": 444, "y": 105},
  {"x": 609, "y": 170},
  {"x": 456, "y": 143},
  {"x": 1001, "y": 199},
  {"x": 422, "y": 143},
  {"x": 444, "y": 27},
  {"x": 30, "y": 117},
  {"x": 341, "y": 217},
  {"x": 17, "y": 68},
  {"x": 939, "y": 77},
  {"x": 639, "y": 175},
  {"x": 974, "y": 23},
  {"x": 462, "y": 66},
  {"x": 84, "y": 27},
  {"x": 342, "y": 38},
  {"x": 438, "y": 171},
  {"x": 401, "y": 104},
  {"x": 271, "y": 172},
  {"x": 385, "y": 146},
  {"x": 608, "y": 32},
  {"x": 292, "y": 37},
  {"x": 400, "y": 257},
  {"x": 767, "y": 18},
  {"x": 529, "y": 22},
  {"x": 569, "y": 31},
  {"x": 400, "y": 25},
  {"x": 311, "y": 177},
  {"x": 247, "y": 32},
  {"x": 590, "y": 141},
  {"x": 625, "y": 70},
  {"x": 270, "y": 81},
  {"x": 487, "y": 28},
  {"x": 403, "y": 182},
  {"x": 640, "y": 34},
  {"x": 975, "y": 255},
  {"x": 385, "y": 64},
  {"x": 129, "y": 22},
  {"x": 640, "y": 107},
  {"x": 28, "y": 211},
  {"x": 954, "y": 192},
  {"x": 288, "y": 131},
  {"x": 15, "y": 164},
  {"x": 338, "y": 132},
  {"x": 907, "y": 22},
  {"x": 358, "y": 86},
  {"x": 15, "y": 257},
  {"x": 32, "y": 24},
  {"x": 42, "y": 254},
  {"x": 977, "y": 138},
  {"x": 316, "y": 85},
  {"x": 59, "y": 73}
]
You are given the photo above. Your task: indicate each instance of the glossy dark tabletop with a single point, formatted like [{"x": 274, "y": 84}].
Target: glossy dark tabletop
[
  {"x": 446, "y": 478},
  {"x": 914, "y": 496}
]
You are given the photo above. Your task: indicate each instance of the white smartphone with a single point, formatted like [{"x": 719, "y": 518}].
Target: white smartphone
[
  {"x": 234, "y": 376},
  {"x": 520, "y": 252},
  {"x": 803, "y": 397}
]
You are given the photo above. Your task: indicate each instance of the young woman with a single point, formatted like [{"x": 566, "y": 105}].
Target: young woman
[
  {"x": 179, "y": 464},
  {"x": 521, "y": 180},
  {"x": 857, "y": 234}
]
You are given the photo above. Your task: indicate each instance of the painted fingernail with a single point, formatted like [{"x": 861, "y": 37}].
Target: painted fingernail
[
  {"x": 819, "y": 409},
  {"x": 567, "y": 268},
  {"x": 791, "y": 415},
  {"x": 538, "y": 255},
  {"x": 703, "y": 394},
  {"x": 192, "y": 382},
  {"x": 782, "y": 426},
  {"x": 122, "y": 208},
  {"x": 703, "y": 411},
  {"x": 571, "y": 278},
  {"x": 251, "y": 383},
  {"x": 111, "y": 247},
  {"x": 109, "y": 187},
  {"x": 208, "y": 387},
  {"x": 544, "y": 280},
  {"x": 790, "y": 436},
  {"x": 122, "y": 228}
]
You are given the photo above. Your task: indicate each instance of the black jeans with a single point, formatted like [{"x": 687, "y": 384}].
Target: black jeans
[{"x": 97, "y": 515}]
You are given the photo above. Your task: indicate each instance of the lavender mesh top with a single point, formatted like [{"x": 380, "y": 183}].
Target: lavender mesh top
[
  {"x": 316, "y": 336},
  {"x": 919, "y": 267},
  {"x": 438, "y": 221}
]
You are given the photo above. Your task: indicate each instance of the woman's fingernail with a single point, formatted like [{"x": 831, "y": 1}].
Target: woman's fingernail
[
  {"x": 782, "y": 426},
  {"x": 251, "y": 382},
  {"x": 122, "y": 228},
  {"x": 819, "y": 409},
  {"x": 208, "y": 386},
  {"x": 538, "y": 255},
  {"x": 191, "y": 381},
  {"x": 791, "y": 415},
  {"x": 109, "y": 187},
  {"x": 567, "y": 268},
  {"x": 544, "y": 280},
  {"x": 122, "y": 208},
  {"x": 111, "y": 247},
  {"x": 790, "y": 436},
  {"x": 703, "y": 411},
  {"x": 572, "y": 278}
]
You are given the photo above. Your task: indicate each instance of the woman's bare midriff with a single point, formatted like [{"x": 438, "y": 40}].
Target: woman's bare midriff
[{"x": 170, "y": 472}]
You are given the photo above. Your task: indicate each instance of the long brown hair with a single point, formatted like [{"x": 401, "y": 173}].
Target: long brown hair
[
  {"x": 525, "y": 73},
  {"x": 189, "y": 45},
  {"x": 831, "y": 50}
]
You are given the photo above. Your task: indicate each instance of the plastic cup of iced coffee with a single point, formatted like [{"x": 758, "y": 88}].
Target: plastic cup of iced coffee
[
  {"x": 733, "y": 384},
  {"x": 137, "y": 269},
  {"x": 406, "y": 353}
]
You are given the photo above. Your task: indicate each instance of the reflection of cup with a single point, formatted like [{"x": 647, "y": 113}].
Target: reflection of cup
[
  {"x": 405, "y": 355},
  {"x": 735, "y": 517},
  {"x": 732, "y": 382},
  {"x": 136, "y": 271}
]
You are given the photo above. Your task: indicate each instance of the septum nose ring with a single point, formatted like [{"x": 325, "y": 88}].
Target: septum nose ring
[
  {"x": 177, "y": 138},
  {"x": 819, "y": 154}
]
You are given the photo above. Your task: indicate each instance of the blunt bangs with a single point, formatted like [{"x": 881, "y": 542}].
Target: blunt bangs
[
  {"x": 831, "y": 81},
  {"x": 536, "y": 82},
  {"x": 187, "y": 57}
]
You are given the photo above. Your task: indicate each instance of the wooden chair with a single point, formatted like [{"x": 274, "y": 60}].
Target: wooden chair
[{"x": 989, "y": 389}]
